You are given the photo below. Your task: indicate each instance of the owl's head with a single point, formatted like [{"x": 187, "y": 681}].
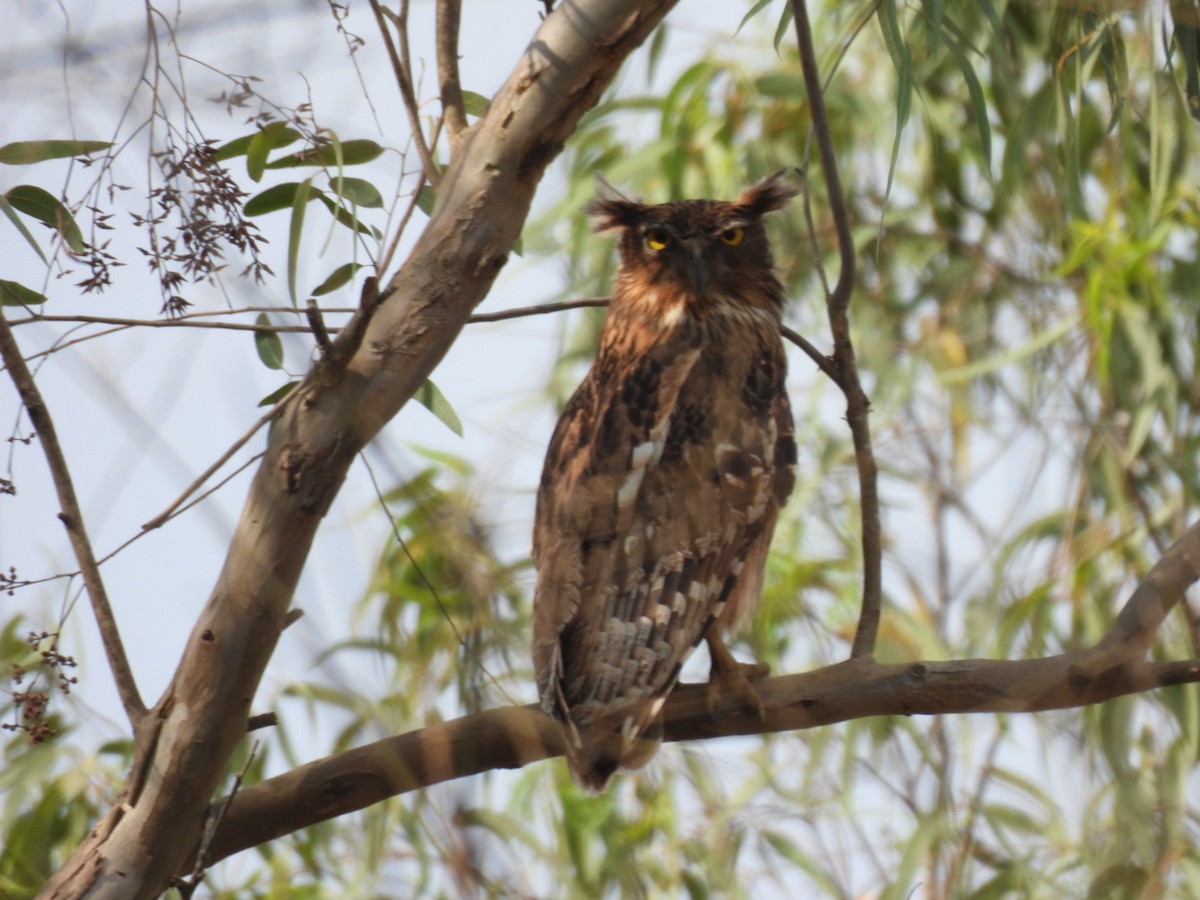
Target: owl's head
[{"x": 702, "y": 251}]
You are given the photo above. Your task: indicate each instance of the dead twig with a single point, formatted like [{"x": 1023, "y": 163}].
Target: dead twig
[
  {"x": 845, "y": 367},
  {"x": 402, "y": 70},
  {"x": 71, "y": 516}
]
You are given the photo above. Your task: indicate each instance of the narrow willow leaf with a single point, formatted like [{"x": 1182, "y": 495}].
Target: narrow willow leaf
[
  {"x": 14, "y": 294},
  {"x": 432, "y": 399},
  {"x": 295, "y": 231},
  {"x": 754, "y": 11},
  {"x": 45, "y": 207},
  {"x": 20, "y": 226},
  {"x": 340, "y": 276},
  {"x": 978, "y": 104},
  {"x": 22, "y": 153},
  {"x": 281, "y": 196},
  {"x": 901, "y": 58},
  {"x": 785, "y": 23},
  {"x": 347, "y": 218},
  {"x": 268, "y": 344},
  {"x": 278, "y": 394},
  {"x": 240, "y": 146},
  {"x": 352, "y": 153},
  {"x": 260, "y": 146}
]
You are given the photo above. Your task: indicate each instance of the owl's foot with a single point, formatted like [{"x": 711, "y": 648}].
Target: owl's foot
[{"x": 730, "y": 681}]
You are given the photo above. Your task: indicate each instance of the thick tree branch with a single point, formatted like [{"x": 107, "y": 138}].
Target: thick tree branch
[
  {"x": 858, "y": 405},
  {"x": 481, "y": 205},
  {"x": 514, "y": 736},
  {"x": 72, "y": 518}
]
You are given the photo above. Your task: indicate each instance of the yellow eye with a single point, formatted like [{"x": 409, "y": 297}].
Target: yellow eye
[
  {"x": 733, "y": 236},
  {"x": 656, "y": 239}
]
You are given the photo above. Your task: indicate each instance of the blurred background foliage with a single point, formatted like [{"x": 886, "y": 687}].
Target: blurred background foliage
[{"x": 1023, "y": 194}]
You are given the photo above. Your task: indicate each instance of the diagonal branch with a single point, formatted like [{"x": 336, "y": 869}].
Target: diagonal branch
[
  {"x": 72, "y": 518},
  {"x": 858, "y": 406},
  {"x": 515, "y": 736},
  {"x": 388, "y": 352},
  {"x": 403, "y": 74}
]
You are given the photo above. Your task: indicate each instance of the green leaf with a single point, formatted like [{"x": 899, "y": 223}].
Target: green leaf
[
  {"x": 432, "y": 399},
  {"x": 241, "y": 146},
  {"x": 22, "y": 153},
  {"x": 281, "y": 196},
  {"x": 45, "y": 207},
  {"x": 260, "y": 145},
  {"x": 352, "y": 153},
  {"x": 20, "y": 226},
  {"x": 278, "y": 394},
  {"x": 14, "y": 294},
  {"x": 340, "y": 276},
  {"x": 295, "y": 230},
  {"x": 475, "y": 104},
  {"x": 426, "y": 199},
  {"x": 902, "y": 59},
  {"x": 345, "y": 217},
  {"x": 754, "y": 11},
  {"x": 268, "y": 344},
  {"x": 785, "y": 22},
  {"x": 357, "y": 191},
  {"x": 978, "y": 103}
]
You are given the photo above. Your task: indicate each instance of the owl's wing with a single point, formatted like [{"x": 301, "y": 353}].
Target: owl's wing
[
  {"x": 611, "y": 433},
  {"x": 642, "y": 544}
]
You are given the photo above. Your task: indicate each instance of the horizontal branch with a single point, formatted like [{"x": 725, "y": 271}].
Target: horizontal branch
[
  {"x": 515, "y": 736},
  {"x": 511, "y": 737}
]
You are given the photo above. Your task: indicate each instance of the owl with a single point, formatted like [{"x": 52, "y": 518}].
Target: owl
[{"x": 664, "y": 477}]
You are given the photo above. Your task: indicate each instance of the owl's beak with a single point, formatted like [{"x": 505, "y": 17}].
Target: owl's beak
[{"x": 696, "y": 269}]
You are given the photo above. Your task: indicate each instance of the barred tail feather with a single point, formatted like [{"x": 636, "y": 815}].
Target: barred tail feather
[{"x": 596, "y": 750}]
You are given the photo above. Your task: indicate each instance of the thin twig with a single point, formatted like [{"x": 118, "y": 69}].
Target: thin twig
[
  {"x": 449, "y": 13},
  {"x": 237, "y": 445},
  {"x": 72, "y": 517},
  {"x": 403, "y": 73},
  {"x": 858, "y": 406},
  {"x": 539, "y": 309}
]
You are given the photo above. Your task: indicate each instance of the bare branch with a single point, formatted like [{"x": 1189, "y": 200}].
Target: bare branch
[
  {"x": 511, "y": 737},
  {"x": 403, "y": 73},
  {"x": 449, "y": 13},
  {"x": 858, "y": 406},
  {"x": 72, "y": 518},
  {"x": 515, "y": 736},
  {"x": 389, "y": 349}
]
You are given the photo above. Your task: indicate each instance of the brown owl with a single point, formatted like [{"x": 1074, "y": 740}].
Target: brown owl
[{"x": 665, "y": 475}]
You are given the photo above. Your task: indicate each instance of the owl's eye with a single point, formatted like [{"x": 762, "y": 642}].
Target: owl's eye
[
  {"x": 656, "y": 239},
  {"x": 733, "y": 236}
]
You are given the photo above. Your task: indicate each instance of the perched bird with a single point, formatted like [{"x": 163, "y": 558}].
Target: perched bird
[{"x": 664, "y": 477}]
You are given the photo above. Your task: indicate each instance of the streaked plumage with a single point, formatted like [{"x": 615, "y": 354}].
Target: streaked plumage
[{"x": 665, "y": 474}]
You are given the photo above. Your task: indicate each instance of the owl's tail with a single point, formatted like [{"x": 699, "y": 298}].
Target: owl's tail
[{"x": 596, "y": 749}]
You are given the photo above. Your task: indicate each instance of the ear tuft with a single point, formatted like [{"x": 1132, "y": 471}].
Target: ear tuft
[
  {"x": 771, "y": 193},
  {"x": 611, "y": 209}
]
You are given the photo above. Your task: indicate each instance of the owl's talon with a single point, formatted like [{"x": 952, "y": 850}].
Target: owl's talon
[{"x": 730, "y": 682}]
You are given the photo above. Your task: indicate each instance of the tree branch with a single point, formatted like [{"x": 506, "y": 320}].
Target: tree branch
[
  {"x": 858, "y": 406},
  {"x": 403, "y": 74},
  {"x": 514, "y": 736},
  {"x": 449, "y": 13},
  {"x": 481, "y": 205},
  {"x": 72, "y": 518}
]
